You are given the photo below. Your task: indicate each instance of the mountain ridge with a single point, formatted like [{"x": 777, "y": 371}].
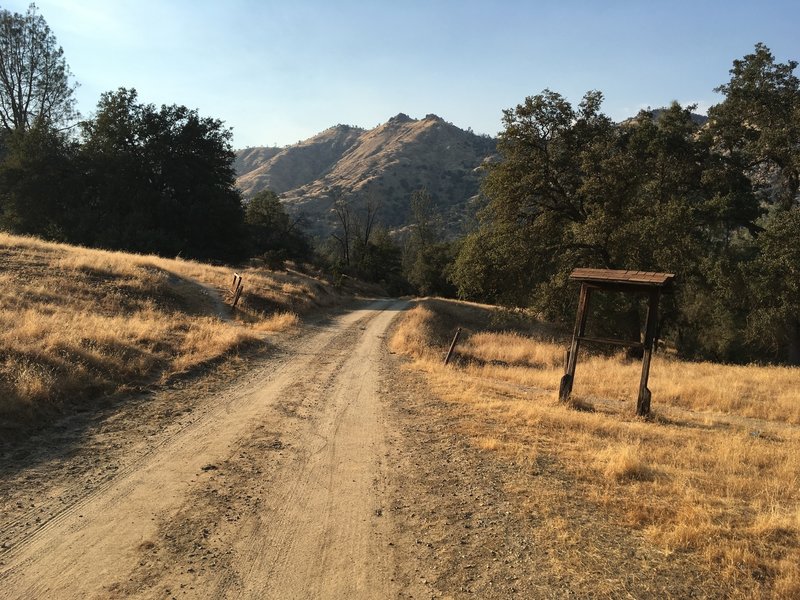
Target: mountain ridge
[{"x": 387, "y": 162}]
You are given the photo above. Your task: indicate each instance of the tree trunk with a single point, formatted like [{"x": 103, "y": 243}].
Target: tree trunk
[{"x": 793, "y": 342}]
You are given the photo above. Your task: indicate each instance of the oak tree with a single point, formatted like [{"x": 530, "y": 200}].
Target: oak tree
[{"x": 160, "y": 180}]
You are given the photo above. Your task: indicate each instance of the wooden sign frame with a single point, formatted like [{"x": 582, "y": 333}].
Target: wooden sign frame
[{"x": 631, "y": 282}]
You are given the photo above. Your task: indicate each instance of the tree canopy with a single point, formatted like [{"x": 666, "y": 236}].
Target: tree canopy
[
  {"x": 758, "y": 123},
  {"x": 159, "y": 180},
  {"x": 35, "y": 86},
  {"x": 715, "y": 204},
  {"x": 274, "y": 235},
  {"x": 427, "y": 255}
]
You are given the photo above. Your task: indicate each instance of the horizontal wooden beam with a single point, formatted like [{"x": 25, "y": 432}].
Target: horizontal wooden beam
[
  {"x": 612, "y": 342},
  {"x": 610, "y": 276},
  {"x": 627, "y": 288}
]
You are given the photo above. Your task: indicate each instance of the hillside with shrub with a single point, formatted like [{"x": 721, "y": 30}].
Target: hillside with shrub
[{"x": 387, "y": 163}]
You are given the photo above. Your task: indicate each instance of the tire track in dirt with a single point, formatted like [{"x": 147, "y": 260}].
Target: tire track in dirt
[
  {"x": 98, "y": 539},
  {"x": 321, "y": 538}
]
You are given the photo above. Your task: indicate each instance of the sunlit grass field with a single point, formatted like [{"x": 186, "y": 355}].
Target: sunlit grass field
[
  {"x": 714, "y": 474},
  {"x": 76, "y": 323}
]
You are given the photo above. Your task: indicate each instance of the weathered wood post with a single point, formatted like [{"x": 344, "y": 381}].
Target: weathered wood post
[
  {"x": 238, "y": 294},
  {"x": 236, "y": 288},
  {"x": 452, "y": 346},
  {"x": 565, "y": 388},
  {"x": 643, "y": 403}
]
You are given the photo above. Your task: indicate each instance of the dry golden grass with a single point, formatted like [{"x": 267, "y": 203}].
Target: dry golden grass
[
  {"x": 625, "y": 462},
  {"x": 715, "y": 473},
  {"x": 77, "y": 322},
  {"x": 759, "y": 392},
  {"x": 277, "y": 322}
]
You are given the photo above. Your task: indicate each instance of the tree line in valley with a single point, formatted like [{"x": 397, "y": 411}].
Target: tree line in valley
[{"x": 716, "y": 202}]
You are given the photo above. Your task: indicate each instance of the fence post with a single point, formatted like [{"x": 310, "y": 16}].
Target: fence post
[
  {"x": 565, "y": 388},
  {"x": 238, "y": 294},
  {"x": 452, "y": 346}
]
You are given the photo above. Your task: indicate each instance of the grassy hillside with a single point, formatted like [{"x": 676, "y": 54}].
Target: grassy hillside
[
  {"x": 251, "y": 158},
  {"x": 285, "y": 169},
  {"x": 713, "y": 479},
  {"x": 77, "y": 323},
  {"x": 387, "y": 163}
]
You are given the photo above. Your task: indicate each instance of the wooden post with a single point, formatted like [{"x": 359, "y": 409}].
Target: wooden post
[
  {"x": 565, "y": 388},
  {"x": 452, "y": 346},
  {"x": 643, "y": 403},
  {"x": 237, "y": 279},
  {"x": 238, "y": 294}
]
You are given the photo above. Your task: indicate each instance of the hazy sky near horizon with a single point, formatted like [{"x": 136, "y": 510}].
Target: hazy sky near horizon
[{"x": 280, "y": 72}]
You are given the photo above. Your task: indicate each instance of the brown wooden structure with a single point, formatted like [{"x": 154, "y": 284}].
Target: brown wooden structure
[
  {"x": 236, "y": 288},
  {"x": 632, "y": 282}
]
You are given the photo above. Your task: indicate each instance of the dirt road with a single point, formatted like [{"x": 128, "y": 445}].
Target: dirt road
[
  {"x": 323, "y": 468},
  {"x": 271, "y": 488}
]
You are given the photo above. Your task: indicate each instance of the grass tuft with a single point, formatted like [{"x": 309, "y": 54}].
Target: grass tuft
[
  {"x": 277, "y": 322},
  {"x": 624, "y": 462}
]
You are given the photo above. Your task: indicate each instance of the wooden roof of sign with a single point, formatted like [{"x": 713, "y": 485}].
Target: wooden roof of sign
[{"x": 615, "y": 277}]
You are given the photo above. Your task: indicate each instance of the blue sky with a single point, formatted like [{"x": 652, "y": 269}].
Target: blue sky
[{"x": 279, "y": 72}]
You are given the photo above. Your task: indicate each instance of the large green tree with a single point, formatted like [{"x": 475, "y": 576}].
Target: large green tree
[
  {"x": 274, "y": 235},
  {"x": 35, "y": 86},
  {"x": 427, "y": 255},
  {"x": 774, "y": 319},
  {"x": 39, "y": 182},
  {"x": 38, "y": 177},
  {"x": 160, "y": 180},
  {"x": 535, "y": 195},
  {"x": 757, "y": 125},
  {"x": 574, "y": 189}
]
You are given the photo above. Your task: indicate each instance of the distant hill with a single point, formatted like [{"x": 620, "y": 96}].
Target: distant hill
[
  {"x": 696, "y": 119},
  {"x": 657, "y": 112},
  {"x": 251, "y": 158},
  {"x": 386, "y": 163}
]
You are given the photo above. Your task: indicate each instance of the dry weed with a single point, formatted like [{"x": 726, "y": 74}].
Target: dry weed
[
  {"x": 78, "y": 322},
  {"x": 624, "y": 462},
  {"x": 277, "y": 322},
  {"x": 716, "y": 473}
]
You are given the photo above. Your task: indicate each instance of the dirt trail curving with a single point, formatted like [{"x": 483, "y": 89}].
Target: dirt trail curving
[{"x": 273, "y": 489}]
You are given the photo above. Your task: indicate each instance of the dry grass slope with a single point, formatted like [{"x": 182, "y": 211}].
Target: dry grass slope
[
  {"x": 714, "y": 477},
  {"x": 389, "y": 161},
  {"x": 76, "y": 323}
]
